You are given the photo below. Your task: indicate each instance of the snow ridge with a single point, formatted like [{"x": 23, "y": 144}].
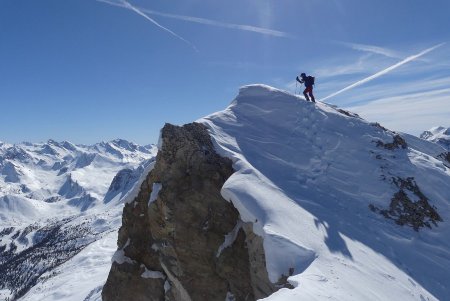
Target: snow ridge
[{"x": 306, "y": 176}]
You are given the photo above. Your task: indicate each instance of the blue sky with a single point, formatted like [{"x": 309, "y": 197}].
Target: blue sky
[{"x": 85, "y": 70}]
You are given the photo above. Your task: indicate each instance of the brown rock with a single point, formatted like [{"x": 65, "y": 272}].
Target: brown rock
[{"x": 182, "y": 233}]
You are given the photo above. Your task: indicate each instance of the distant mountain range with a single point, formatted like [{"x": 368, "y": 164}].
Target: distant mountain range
[
  {"x": 56, "y": 199},
  {"x": 439, "y": 135},
  {"x": 55, "y": 171}
]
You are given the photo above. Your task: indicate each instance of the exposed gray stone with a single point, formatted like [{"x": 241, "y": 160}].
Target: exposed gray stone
[
  {"x": 398, "y": 142},
  {"x": 181, "y": 232},
  {"x": 405, "y": 211},
  {"x": 445, "y": 157}
]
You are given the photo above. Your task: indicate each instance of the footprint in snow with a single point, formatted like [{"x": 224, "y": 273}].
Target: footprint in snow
[{"x": 319, "y": 278}]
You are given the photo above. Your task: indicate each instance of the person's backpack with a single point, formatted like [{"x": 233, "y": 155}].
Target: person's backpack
[{"x": 310, "y": 80}]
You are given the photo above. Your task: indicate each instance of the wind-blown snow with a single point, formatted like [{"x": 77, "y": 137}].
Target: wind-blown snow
[{"x": 305, "y": 176}]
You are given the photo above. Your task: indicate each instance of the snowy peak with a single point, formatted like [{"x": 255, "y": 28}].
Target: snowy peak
[
  {"x": 70, "y": 188},
  {"x": 439, "y": 135},
  {"x": 130, "y": 146},
  {"x": 53, "y": 170},
  {"x": 337, "y": 199},
  {"x": 119, "y": 148},
  {"x": 301, "y": 136},
  {"x": 11, "y": 172},
  {"x": 13, "y": 152},
  {"x": 122, "y": 149}
]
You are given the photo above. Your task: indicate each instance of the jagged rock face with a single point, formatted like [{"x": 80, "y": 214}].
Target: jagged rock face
[
  {"x": 172, "y": 241},
  {"x": 405, "y": 211},
  {"x": 445, "y": 157},
  {"x": 398, "y": 142}
]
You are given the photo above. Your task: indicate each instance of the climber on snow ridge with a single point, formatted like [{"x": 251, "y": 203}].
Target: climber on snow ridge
[{"x": 309, "y": 83}]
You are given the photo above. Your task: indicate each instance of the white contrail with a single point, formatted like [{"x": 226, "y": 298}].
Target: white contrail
[
  {"x": 127, "y": 5},
  {"x": 372, "y": 49},
  {"x": 261, "y": 30},
  {"x": 382, "y": 72},
  {"x": 255, "y": 29}
]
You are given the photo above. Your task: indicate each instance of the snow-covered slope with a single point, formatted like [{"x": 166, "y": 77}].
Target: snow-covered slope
[
  {"x": 60, "y": 209},
  {"x": 439, "y": 135},
  {"x": 345, "y": 207}
]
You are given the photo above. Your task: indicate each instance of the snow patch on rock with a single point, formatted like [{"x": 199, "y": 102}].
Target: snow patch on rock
[
  {"x": 152, "y": 274},
  {"x": 229, "y": 238},
  {"x": 156, "y": 188}
]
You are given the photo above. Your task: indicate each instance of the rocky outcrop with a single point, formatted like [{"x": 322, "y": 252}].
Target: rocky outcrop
[
  {"x": 445, "y": 157},
  {"x": 180, "y": 240},
  {"x": 348, "y": 113},
  {"x": 406, "y": 211},
  {"x": 398, "y": 142},
  {"x": 70, "y": 188}
]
